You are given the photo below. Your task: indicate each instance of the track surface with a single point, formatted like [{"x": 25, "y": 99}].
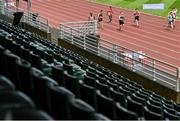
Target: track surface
[{"x": 151, "y": 37}]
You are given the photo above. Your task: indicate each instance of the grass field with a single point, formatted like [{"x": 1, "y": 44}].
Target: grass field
[{"x": 132, "y": 4}]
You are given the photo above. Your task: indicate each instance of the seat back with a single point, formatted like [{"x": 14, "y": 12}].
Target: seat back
[
  {"x": 71, "y": 83},
  {"x": 105, "y": 105},
  {"x": 15, "y": 100},
  {"x": 88, "y": 94},
  {"x": 58, "y": 74},
  {"x": 11, "y": 68},
  {"x": 103, "y": 88},
  {"x": 6, "y": 84},
  {"x": 60, "y": 99},
  {"x": 89, "y": 81},
  {"x": 24, "y": 77},
  {"x": 80, "y": 110},
  {"x": 124, "y": 114},
  {"x": 24, "y": 114},
  {"x": 118, "y": 97},
  {"x": 170, "y": 116},
  {"x": 149, "y": 115},
  {"x": 135, "y": 106},
  {"x": 40, "y": 86}
]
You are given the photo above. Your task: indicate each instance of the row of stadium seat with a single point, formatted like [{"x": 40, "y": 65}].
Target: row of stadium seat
[{"x": 69, "y": 86}]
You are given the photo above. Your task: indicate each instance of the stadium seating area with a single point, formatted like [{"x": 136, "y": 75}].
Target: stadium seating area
[{"x": 39, "y": 80}]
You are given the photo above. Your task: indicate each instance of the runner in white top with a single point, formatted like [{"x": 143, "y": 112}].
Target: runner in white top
[{"x": 121, "y": 21}]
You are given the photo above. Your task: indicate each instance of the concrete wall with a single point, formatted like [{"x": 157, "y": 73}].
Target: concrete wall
[
  {"x": 6, "y": 18},
  {"x": 36, "y": 30},
  {"x": 147, "y": 84}
]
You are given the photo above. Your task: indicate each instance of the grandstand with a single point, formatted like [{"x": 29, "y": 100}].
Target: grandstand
[{"x": 84, "y": 77}]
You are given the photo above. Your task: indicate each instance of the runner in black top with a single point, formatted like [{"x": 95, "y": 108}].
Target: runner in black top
[
  {"x": 121, "y": 20},
  {"x": 100, "y": 19},
  {"x": 136, "y": 17}
]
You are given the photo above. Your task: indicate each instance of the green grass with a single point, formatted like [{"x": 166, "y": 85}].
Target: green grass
[{"x": 132, "y": 4}]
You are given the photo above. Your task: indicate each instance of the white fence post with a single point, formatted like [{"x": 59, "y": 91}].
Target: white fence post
[
  {"x": 114, "y": 50},
  {"x": 178, "y": 79},
  {"x": 154, "y": 70},
  {"x": 85, "y": 42}
]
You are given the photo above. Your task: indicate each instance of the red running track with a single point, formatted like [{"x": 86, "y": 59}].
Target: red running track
[{"x": 151, "y": 37}]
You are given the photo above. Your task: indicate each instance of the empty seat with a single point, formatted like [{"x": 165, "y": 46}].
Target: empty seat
[
  {"x": 68, "y": 68},
  {"x": 103, "y": 88},
  {"x": 156, "y": 97},
  {"x": 135, "y": 106},
  {"x": 118, "y": 97},
  {"x": 60, "y": 99},
  {"x": 80, "y": 110},
  {"x": 130, "y": 89},
  {"x": 24, "y": 114},
  {"x": 58, "y": 74},
  {"x": 11, "y": 68},
  {"x": 16, "y": 48},
  {"x": 124, "y": 91},
  {"x": 90, "y": 81},
  {"x": 124, "y": 114},
  {"x": 176, "y": 106},
  {"x": 99, "y": 116},
  {"x": 83, "y": 65},
  {"x": 40, "y": 88},
  {"x": 170, "y": 110},
  {"x": 15, "y": 99},
  {"x": 170, "y": 116},
  {"x": 167, "y": 102},
  {"x": 35, "y": 60},
  {"x": 88, "y": 94},
  {"x": 154, "y": 108},
  {"x": 71, "y": 83},
  {"x": 155, "y": 102},
  {"x": 139, "y": 94},
  {"x": 25, "y": 54},
  {"x": 48, "y": 57},
  {"x": 138, "y": 99},
  {"x": 2, "y": 60},
  {"x": 149, "y": 115},
  {"x": 24, "y": 77},
  {"x": 9, "y": 44},
  {"x": 91, "y": 74},
  {"x": 6, "y": 84},
  {"x": 101, "y": 79},
  {"x": 91, "y": 69},
  {"x": 105, "y": 105},
  {"x": 113, "y": 85}
]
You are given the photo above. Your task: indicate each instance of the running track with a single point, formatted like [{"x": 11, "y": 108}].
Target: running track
[{"x": 151, "y": 37}]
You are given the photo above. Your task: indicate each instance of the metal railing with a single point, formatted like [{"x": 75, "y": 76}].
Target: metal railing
[
  {"x": 138, "y": 62},
  {"x": 83, "y": 26},
  {"x": 32, "y": 18}
]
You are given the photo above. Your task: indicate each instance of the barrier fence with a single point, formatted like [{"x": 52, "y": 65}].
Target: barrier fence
[
  {"x": 136, "y": 61},
  {"x": 83, "y": 26},
  {"x": 32, "y": 18}
]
